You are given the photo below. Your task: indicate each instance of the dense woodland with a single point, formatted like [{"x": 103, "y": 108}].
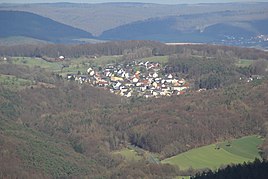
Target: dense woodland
[
  {"x": 257, "y": 169},
  {"x": 179, "y": 23},
  {"x": 69, "y": 130},
  {"x": 126, "y": 47},
  {"x": 38, "y": 27}
]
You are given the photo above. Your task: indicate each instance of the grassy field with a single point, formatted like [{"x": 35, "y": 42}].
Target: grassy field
[
  {"x": 182, "y": 177},
  {"x": 236, "y": 151},
  {"x": 244, "y": 63},
  {"x": 159, "y": 59},
  {"x": 36, "y": 62},
  {"x": 71, "y": 65},
  {"x": 99, "y": 61},
  {"x": 81, "y": 64},
  {"x": 245, "y": 147},
  {"x": 129, "y": 154},
  {"x": 13, "y": 82},
  {"x": 77, "y": 64},
  {"x": 134, "y": 153}
]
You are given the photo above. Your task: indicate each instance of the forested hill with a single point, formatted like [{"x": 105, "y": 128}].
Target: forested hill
[
  {"x": 54, "y": 128},
  {"x": 15, "y": 23},
  {"x": 100, "y": 17},
  {"x": 258, "y": 169},
  {"x": 172, "y": 29},
  {"x": 125, "y": 48}
]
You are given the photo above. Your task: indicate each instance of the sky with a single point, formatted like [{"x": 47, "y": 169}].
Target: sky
[{"x": 144, "y": 1}]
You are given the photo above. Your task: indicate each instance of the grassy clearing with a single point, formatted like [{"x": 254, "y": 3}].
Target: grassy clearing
[
  {"x": 129, "y": 154},
  {"x": 36, "y": 62},
  {"x": 77, "y": 64},
  {"x": 14, "y": 82},
  {"x": 159, "y": 59},
  {"x": 134, "y": 153},
  {"x": 244, "y": 63},
  {"x": 182, "y": 177},
  {"x": 71, "y": 66},
  {"x": 100, "y": 61},
  {"x": 241, "y": 150},
  {"x": 74, "y": 69},
  {"x": 104, "y": 60},
  {"x": 202, "y": 57},
  {"x": 82, "y": 64},
  {"x": 63, "y": 68},
  {"x": 245, "y": 147}
]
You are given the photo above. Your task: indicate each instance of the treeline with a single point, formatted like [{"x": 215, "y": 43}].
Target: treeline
[
  {"x": 171, "y": 126},
  {"x": 75, "y": 51},
  {"x": 130, "y": 49},
  {"x": 255, "y": 170},
  {"x": 167, "y": 126},
  {"x": 77, "y": 117},
  {"x": 36, "y": 74},
  {"x": 92, "y": 122},
  {"x": 209, "y": 72}
]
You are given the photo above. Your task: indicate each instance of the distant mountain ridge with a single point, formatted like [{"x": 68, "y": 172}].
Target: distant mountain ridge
[
  {"x": 16, "y": 23},
  {"x": 97, "y": 18},
  {"x": 156, "y": 29},
  {"x": 200, "y": 23},
  {"x": 172, "y": 29}
]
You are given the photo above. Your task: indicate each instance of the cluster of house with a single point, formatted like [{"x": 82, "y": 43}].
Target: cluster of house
[
  {"x": 145, "y": 79},
  {"x": 262, "y": 38},
  {"x": 3, "y": 58},
  {"x": 252, "y": 78}
]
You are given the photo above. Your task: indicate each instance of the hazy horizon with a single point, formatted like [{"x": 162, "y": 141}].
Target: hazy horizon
[{"x": 141, "y": 1}]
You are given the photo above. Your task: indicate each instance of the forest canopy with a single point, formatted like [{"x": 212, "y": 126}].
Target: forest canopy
[{"x": 52, "y": 127}]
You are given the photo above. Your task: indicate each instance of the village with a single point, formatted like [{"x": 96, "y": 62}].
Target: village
[{"x": 138, "y": 79}]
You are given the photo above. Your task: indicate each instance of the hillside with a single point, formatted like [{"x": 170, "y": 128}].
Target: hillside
[
  {"x": 152, "y": 29},
  {"x": 97, "y": 18},
  {"x": 238, "y": 24},
  {"x": 244, "y": 29},
  {"x": 78, "y": 127},
  {"x": 30, "y": 154},
  {"x": 171, "y": 29},
  {"x": 20, "y": 40},
  {"x": 215, "y": 155},
  {"x": 14, "y": 23}
]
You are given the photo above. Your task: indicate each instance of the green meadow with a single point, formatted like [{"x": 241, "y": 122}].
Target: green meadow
[
  {"x": 36, "y": 62},
  {"x": 129, "y": 154},
  {"x": 182, "y": 177},
  {"x": 216, "y": 155},
  {"x": 14, "y": 82},
  {"x": 68, "y": 66},
  {"x": 244, "y": 63},
  {"x": 211, "y": 156},
  {"x": 159, "y": 59}
]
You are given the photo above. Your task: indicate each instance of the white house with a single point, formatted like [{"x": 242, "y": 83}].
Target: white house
[
  {"x": 89, "y": 70},
  {"x": 61, "y": 57},
  {"x": 155, "y": 75},
  {"x": 135, "y": 80},
  {"x": 92, "y": 73},
  {"x": 128, "y": 94}
]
